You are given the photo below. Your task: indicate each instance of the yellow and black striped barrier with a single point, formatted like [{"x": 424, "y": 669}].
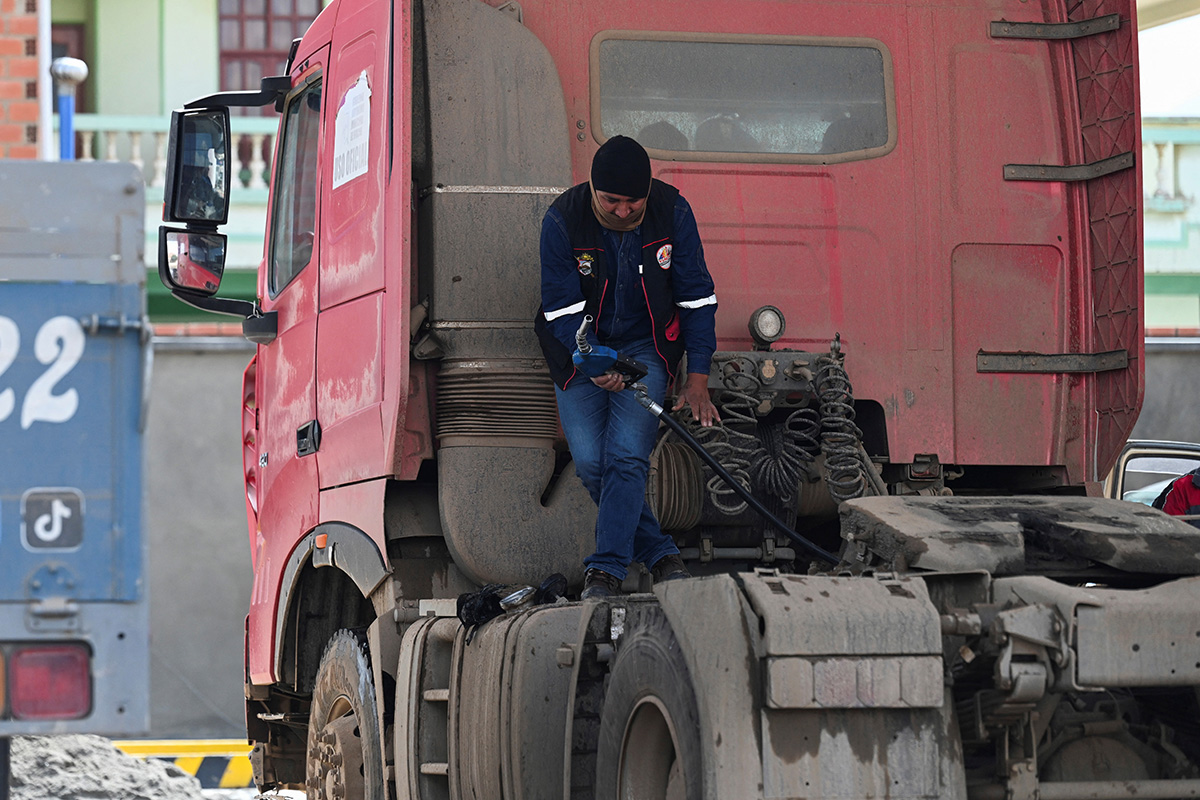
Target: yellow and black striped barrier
[{"x": 217, "y": 763}]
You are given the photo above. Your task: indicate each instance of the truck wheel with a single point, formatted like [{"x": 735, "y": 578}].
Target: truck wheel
[
  {"x": 343, "y": 728},
  {"x": 649, "y": 745}
]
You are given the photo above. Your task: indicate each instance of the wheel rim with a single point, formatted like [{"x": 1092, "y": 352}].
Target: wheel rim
[
  {"x": 336, "y": 757},
  {"x": 649, "y": 768}
]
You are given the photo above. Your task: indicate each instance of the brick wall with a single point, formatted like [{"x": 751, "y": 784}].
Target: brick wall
[{"x": 18, "y": 79}]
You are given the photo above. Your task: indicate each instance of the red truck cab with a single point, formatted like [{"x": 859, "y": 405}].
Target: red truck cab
[{"x": 922, "y": 220}]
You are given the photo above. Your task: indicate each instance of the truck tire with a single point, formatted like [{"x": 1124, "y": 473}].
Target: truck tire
[
  {"x": 649, "y": 746},
  {"x": 344, "y": 761}
]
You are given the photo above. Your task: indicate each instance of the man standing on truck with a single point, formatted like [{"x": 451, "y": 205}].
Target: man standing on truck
[{"x": 624, "y": 249}]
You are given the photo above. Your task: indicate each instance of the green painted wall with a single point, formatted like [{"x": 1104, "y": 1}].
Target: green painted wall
[
  {"x": 126, "y": 54},
  {"x": 189, "y": 62},
  {"x": 68, "y": 11},
  {"x": 149, "y": 56}
]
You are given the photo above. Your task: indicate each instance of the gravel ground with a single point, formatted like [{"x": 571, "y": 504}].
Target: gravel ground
[{"x": 74, "y": 767}]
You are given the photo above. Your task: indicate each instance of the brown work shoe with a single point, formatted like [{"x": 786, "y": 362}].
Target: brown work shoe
[
  {"x": 598, "y": 583},
  {"x": 669, "y": 568}
]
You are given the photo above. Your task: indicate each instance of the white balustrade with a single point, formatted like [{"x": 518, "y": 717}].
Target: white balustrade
[
  {"x": 124, "y": 138},
  {"x": 85, "y": 152},
  {"x": 1164, "y": 176},
  {"x": 257, "y": 165}
]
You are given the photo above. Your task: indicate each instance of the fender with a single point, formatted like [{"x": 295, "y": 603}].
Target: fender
[
  {"x": 330, "y": 544},
  {"x": 760, "y": 636}
]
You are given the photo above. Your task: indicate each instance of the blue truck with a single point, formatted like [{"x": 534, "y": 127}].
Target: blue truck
[{"x": 75, "y": 355}]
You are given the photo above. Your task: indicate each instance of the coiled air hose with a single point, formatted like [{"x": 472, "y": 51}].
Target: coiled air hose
[
  {"x": 840, "y": 437},
  {"x": 644, "y": 399}
]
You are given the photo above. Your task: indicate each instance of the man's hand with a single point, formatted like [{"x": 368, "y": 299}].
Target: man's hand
[
  {"x": 695, "y": 396},
  {"x": 612, "y": 381}
]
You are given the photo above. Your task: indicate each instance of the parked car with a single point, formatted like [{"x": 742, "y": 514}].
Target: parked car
[{"x": 1146, "y": 467}]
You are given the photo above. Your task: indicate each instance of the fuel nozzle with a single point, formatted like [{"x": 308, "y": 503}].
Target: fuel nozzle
[
  {"x": 581, "y": 342},
  {"x": 595, "y": 361}
]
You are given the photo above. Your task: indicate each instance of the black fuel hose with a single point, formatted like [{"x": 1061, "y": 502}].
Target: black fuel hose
[{"x": 654, "y": 408}]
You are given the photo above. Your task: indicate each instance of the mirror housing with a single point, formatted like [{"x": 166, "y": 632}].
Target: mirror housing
[
  {"x": 196, "y": 193},
  {"x": 261, "y": 329},
  {"x": 199, "y": 167},
  {"x": 191, "y": 261}
]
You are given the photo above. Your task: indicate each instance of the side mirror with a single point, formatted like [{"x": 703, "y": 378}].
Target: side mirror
[
  {"x": 198, "y": 167},
  {"x": 190, "y": 264},
  {"x": 191, "y": 261}
]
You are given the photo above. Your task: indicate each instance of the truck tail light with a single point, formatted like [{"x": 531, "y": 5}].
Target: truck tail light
[{"x": 49, "y": 682}]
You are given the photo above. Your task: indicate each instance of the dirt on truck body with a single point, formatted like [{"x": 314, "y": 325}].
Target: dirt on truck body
[{"x": 923, "y": 221}]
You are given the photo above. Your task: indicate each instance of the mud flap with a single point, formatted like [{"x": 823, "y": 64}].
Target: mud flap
[
  {"x": 861, "y": 752},
  {"x": 817, "y": 687}
]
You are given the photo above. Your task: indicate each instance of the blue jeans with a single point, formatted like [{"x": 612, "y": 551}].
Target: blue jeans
[{"x": 611, "y": 437}]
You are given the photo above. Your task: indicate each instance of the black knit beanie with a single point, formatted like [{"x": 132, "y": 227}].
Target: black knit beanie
[{"x": 622, "y": 167}]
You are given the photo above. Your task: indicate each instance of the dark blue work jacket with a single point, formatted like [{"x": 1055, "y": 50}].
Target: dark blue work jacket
[{"x": 579, "y": 276}]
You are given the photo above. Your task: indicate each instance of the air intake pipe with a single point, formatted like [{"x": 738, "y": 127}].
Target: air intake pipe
[{"x": 496, "y": 155}]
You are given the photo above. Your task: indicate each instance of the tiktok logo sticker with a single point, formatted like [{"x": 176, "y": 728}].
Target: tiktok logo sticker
[{"x": 52, "y": 519}]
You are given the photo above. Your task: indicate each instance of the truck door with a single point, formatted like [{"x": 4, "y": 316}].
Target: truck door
[
  {"x": 350, "y": 375},
  {"x": 286, "y": 393}
]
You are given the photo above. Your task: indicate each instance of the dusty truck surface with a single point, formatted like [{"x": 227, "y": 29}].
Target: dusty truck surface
[
  {"x": 923, "y": 221},
  {"x": 74, "y": 359}
]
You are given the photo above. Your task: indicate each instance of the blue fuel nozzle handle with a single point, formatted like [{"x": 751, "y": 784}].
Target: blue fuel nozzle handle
[{"x": 595, "y": 360}]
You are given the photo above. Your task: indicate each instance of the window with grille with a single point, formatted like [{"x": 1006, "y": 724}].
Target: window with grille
[{"x": 256, "y": 36}]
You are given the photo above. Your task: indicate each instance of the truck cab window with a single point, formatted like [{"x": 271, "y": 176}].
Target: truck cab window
[
  {"x": 755, "y": 96},
  {"x": 293, "y": 226}
]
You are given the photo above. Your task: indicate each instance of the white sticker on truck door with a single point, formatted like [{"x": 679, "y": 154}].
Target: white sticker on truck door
[{"x": 352, "y": 133}]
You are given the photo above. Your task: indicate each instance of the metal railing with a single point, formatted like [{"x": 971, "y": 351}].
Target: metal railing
[{"x": 142, "y": 141}]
